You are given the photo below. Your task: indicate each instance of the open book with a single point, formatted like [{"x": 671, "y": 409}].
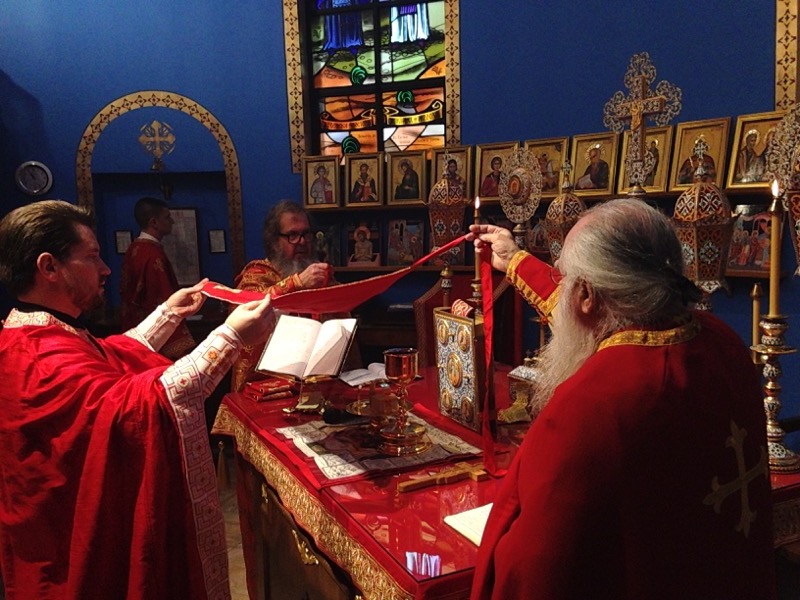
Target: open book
[
  {"x": 374, "y": 372},
  {"x": 305, "y": 348},
  {"x": 470, "y": 523}
]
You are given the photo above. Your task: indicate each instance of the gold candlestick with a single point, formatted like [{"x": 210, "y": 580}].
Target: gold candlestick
[
  {"x": 476, "y": 282},
  {"x": 775, "y": 210}
]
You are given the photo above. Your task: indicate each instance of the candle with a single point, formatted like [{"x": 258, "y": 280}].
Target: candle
[
  {"x": 477, "y": 219},
  {"x": 756, "y": 296},
  {"x": 775, "y": 250}
]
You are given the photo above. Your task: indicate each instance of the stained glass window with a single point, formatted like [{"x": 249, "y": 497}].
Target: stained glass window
[{"x": 377, "y": 75}]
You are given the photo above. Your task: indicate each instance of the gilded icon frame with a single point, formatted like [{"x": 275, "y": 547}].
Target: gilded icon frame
[
  {"x": 663, "y": 138},
  {"x": 756, "y": 221},
  {"x": 555, "y": 147},
  {"x": 763, "y": 124},
  {"x": 715, "y": 133},
  {"x": 607, "y": 145},
  {"x": 418, "y": 162},
  {"x": 463, "y": 157},
  {"x": 311, "y": 192},
  {"x": 352, "y": 168},
  {"x": 485, "y": 155}
]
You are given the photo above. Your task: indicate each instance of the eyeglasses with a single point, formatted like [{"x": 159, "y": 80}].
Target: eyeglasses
[
  {"x": 556, "y": 276},
  {"x": 294, "y": 237}
]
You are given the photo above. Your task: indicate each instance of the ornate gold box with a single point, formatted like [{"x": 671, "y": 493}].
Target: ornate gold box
[{"x": 460, "y": 362}]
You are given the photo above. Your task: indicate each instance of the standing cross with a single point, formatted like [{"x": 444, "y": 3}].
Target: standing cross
[{"x": 660, "y": 106}]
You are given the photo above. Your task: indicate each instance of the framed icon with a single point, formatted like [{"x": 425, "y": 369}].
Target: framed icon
[
  {"x": 454, "y": 163},
  {"x": 658, "y": 142},
  {"x": 710, "y": 137},
  {"x": 551, "y": 154},
  {"x": 747, "y": 168},
  {"x": 594, "y": 163},
  {"x": 363, "y": 179},
  {"x": 407, "y": 175},
  {"x": 320, "y": 182},
  {"x": 489, "y": 161}
]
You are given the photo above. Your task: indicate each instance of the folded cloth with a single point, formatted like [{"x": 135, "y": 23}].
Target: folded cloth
[{"x": 272, "y": 388}]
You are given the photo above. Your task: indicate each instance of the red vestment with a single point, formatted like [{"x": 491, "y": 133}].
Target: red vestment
[
  {"x": 612, "y": 492},
  {"x": 107, "y": 486},
  {"x": 146, "y": 281}
]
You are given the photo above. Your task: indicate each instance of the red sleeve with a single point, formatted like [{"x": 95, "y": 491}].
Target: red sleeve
[{"x": 535, "y": 280}]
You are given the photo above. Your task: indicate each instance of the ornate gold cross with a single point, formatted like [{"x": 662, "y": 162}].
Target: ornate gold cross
[
  {"x": 452, "y": 474},
  {"x": 157, "y": 139},
  {"x": 720, "y": 492},
  {"x": 660, "y": 106}
]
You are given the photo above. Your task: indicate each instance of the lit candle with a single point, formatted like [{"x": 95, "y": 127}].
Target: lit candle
[
  {"x": 477, "y": 219},
  {"x": 756, "y": 296},
  {"x": 775, "y": 250}
]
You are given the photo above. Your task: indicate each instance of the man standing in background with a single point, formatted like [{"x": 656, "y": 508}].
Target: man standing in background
[{"x": 147, "y": 276}]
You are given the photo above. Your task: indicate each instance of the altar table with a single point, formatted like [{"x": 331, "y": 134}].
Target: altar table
[{"x": 362, "y": 539}]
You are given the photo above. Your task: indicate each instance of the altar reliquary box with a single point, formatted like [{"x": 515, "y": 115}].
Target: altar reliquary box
[{"x": 460, "y": 362}]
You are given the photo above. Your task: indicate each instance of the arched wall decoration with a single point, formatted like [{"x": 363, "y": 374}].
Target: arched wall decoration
[
  {"x": 294, "y": 78},
  {"x": 149, "y": 99},
  {"x": 786, "y": 66}
]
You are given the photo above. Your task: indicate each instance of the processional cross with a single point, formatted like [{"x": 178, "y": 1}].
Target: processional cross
[{"x": 642, "y": 103}]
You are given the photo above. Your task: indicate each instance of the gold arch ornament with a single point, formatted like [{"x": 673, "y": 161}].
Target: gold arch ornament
[{"x": 154, "y": 98}]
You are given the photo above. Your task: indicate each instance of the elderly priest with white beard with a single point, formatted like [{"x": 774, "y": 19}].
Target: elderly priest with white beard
[{"x": 645, "y": 474}]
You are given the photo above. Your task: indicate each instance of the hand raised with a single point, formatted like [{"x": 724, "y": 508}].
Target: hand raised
[
  {"x": 315, "y": 275},
  {"x": 499, "y": 239},
  {"x": 187, "y": 301}
]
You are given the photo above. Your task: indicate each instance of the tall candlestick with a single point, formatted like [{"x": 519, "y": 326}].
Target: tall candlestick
[
  {"x": 756, "y": 296},
  {"x": 775, "y": 250},
  {"x": 477, "y": 220}
]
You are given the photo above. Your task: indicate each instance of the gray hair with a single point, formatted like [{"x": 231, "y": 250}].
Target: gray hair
[{"x": 630, "y": 255}]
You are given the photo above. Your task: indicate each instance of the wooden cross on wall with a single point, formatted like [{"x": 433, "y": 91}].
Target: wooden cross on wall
[{"x": 661, "y": 106}]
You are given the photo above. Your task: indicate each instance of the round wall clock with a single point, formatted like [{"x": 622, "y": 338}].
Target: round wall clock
[{"x": 34, "y": 178}]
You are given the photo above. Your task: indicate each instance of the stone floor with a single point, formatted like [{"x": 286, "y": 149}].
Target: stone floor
[{"x": 230, "y": 510}]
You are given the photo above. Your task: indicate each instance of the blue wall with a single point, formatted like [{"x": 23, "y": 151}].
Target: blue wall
[{"x": 529, "y": 70}]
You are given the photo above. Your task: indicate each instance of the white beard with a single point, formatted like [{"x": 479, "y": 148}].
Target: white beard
[{"x": 569, "y": 347}]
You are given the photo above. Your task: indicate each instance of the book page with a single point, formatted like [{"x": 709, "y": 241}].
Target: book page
[
  {"x": 470, "y": 523},
  {"x": 329, "y": 351},
  {"x": 374, "y": 372},
  {"x": 288, "y": 349}
]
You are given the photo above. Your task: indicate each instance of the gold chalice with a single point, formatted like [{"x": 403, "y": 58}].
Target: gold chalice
[{"x": 401, "y": 437}]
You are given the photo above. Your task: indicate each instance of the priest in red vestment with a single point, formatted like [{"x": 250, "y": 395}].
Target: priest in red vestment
[
  {"x": 148, "y": 278},
  {"x": 645, "y": 475},
  {"x": 288, "y": 267},
  {"x": 107, "y": 487}
]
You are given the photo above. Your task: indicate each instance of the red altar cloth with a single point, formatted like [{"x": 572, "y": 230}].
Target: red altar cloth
[{"x": 393, "y": 528}]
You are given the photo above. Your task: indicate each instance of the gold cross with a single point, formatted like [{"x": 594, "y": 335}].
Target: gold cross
[
  {"x": 452, "y": 474},
  {"x": 638, "y": 106},
  {"x": 660, "y": 106},
  {"x": 157, "y": 139},
  {"x": 720, "y": 492}
]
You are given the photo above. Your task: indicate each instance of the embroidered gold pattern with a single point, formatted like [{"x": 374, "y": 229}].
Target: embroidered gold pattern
[
  {"x": 667, "y": 337},
  {"x": 545, "y": 307},
  {"x": 369, "y": 576},
  {"x": 786, "y": 67}
]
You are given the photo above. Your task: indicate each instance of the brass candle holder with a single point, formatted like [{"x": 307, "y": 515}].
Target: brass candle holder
[{"x": 771, "y": 348}]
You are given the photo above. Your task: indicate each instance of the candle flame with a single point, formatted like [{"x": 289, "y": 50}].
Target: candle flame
[
  {"x": 477, "y": 202},
  {"x": 775, "y": 188}
]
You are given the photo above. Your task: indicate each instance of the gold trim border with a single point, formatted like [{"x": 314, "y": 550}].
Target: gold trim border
[
  {"x": 367, "y": 573},
  {"x": 786, "y": 522},
  {"x": 153, "y": 98},
  {"x": 294, "y": 78},
  {"x": 786, "y": 68}
]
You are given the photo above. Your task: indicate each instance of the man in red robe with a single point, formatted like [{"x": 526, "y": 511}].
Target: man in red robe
[
  {"x": 148, "y": 278},
  {"x": 645, "y": 475},
  {"x": 107, "y": 487},
  {"x": 288, "y": 267}
]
